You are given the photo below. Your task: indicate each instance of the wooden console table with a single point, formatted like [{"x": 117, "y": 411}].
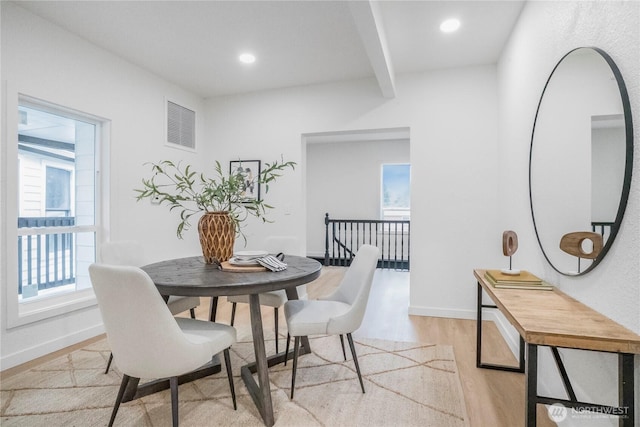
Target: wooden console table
[{"x": 554, "y": 319}]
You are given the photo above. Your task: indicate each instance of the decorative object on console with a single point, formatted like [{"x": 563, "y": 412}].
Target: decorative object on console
[
  {"x": 222, "y": 199},
  {"x": 524, "y": 280},
  {"x": 509, "y": 247},
  {"x": 574, "y": 244}
]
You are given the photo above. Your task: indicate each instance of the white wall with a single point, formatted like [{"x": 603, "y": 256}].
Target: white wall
[
  {"x": 607, "y": 171},
  {"x": 452, "y": 116},
  {"x": 544, "y": 33},
  {"x": 343, "y": 179},
  {"x": 46, "y": 62},
  {"x": 469, "y": 175}
]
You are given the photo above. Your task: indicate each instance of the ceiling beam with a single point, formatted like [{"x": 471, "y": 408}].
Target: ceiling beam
[{"x": 368, "y": 21}]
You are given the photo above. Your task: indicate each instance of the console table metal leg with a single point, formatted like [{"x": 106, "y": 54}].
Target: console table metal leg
[
  {"x": 626, "y": 389},
  {"x": 563, "y": 373},
  {"x": 523, "y": 346},
  {"x": 531, "y": 397},
  {"x": 479, "y": 328},
  {"x": 479, "y": 364}
]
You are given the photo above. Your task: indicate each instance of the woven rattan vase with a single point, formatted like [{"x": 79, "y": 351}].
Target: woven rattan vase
[{"x": 217, "y": 236}]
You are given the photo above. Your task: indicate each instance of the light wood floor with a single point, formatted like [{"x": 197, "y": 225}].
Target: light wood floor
[{"x": 493, "y": 398}]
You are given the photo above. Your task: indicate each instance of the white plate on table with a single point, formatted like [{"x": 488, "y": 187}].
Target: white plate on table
[
  {"x": 245, "y": 256},
  {"x": 239, "y": 262}
]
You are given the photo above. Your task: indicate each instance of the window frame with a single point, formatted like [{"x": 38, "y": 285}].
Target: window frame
[{"x": 19, "y": 313}]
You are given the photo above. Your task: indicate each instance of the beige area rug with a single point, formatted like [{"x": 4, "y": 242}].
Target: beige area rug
[{"x": 407, "y": 384}]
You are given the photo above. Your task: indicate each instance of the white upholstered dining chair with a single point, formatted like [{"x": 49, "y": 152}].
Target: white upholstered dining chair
[
  {"x": 275, "y": 299},
  {"x": 131, "y": 252},
  {"x": 339, "y": 313},
  {"x": 149, "y": 342}
]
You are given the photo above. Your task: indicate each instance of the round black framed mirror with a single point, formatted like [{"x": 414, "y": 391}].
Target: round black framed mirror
[{"x": 580, "y": 160}]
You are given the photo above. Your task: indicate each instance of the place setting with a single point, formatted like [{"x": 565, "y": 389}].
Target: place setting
[{"x": 257, "y": 260}]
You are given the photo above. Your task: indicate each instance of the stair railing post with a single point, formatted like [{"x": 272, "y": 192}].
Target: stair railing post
[{"x": 326, "y": 238}]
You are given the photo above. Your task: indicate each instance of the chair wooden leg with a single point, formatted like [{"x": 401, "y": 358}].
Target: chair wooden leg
[
  {"x": 296, "y": 350},
  {"x": 106, "y": 371},
  {"x": 173, "y": 382},
  {"x": 344, "y": 353},
  {"x": 233, "y": 313},
  {"x": 192, "y": 311},
  {"x": 355, "y": 359},
  {"x": 275, "y": 315},
  {"x": 286, "y": 350},
  {"x": 227, "y": 362},
  {"x": 116, "y": 406}
]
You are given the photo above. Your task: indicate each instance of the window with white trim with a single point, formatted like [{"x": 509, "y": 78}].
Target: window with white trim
[{"x": 57, "y": 187}]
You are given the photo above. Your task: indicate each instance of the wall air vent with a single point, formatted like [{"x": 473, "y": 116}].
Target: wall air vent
[{"x": 181, "y": 125}]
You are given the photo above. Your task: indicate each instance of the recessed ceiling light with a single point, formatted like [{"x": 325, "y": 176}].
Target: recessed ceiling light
[
  {"x": 247, "y": 58},
  {"x": 450, "y": 25}
]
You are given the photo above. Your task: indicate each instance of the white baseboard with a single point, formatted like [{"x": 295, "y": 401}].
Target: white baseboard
[
  {"x": 509, "y": 334},
  {"x": 452, "y": 313},
  {"x": 42, "y": 349}
]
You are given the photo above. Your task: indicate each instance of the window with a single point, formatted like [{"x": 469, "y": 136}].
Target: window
[
  {"x": 396, "y": 191},
  {"x": 57, "y": 221},
  {"x": 58, "y": 192}
]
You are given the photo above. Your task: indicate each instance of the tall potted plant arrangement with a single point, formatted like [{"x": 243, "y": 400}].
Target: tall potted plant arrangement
[{"x": 220, "y": 199}]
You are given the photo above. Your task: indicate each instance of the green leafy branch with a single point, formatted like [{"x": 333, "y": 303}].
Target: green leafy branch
[{"x": 190, "y": 192}]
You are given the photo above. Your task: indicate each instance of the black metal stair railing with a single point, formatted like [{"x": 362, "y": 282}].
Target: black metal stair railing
[
  {"x": 46, "y": 258},
  {"x": 343, "y": 237},
  {"x": 602, "y": 227}
]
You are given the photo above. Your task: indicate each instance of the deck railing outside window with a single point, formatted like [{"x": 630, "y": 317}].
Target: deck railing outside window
[
  {"x": 343, "y": 237},
  {"x": 45, "y": 255}
]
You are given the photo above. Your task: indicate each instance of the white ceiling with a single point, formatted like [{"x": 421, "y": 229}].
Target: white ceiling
[{"x": 195, "y": 44}]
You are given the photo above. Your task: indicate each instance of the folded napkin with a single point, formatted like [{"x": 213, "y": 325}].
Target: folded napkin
[{"x": 272, "y": 263}]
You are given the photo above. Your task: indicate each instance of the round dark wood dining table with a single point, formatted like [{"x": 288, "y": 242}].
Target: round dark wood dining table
[{"x": 192, "y": 277}]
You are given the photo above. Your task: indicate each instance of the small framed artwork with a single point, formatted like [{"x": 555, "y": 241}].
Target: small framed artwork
[{"x": 250, "y": 170}]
